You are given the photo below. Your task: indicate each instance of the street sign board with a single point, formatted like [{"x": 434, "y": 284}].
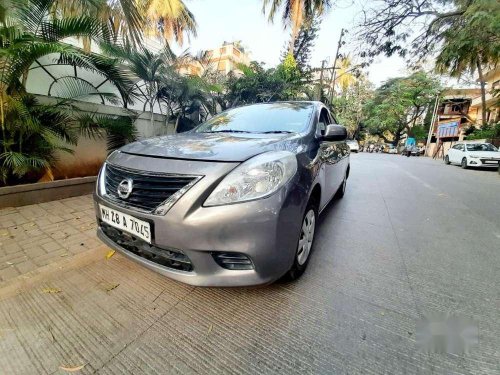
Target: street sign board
[
  {"x": 410, "y": 142},
  {"x": 449, "y": 129}
]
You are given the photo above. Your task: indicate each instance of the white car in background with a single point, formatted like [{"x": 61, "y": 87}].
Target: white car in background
[
  {"x": 353, "y": 145},
  {"x": 473, "y": 154},
  {"x": 392, "y": 149}
]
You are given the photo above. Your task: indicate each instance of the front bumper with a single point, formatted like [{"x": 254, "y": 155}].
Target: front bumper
[
  {"x": 484, "y": 163},
  {"x": 264, "y": 230}
]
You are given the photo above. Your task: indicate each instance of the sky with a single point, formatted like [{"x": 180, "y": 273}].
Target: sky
[{"x": 230, "y": 20}]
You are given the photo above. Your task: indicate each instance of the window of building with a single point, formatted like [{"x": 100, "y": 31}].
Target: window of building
[{"x": 221, "y": 65}]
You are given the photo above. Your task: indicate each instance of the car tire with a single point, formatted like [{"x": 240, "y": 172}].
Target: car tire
[
  {"x": 301, "y": 259},
  {"x": 447, "y": 160},
  {"x": 463, "y": 164}
]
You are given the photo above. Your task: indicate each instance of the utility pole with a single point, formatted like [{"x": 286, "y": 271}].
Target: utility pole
[
  {"x": 320, "y": 90},
  {"x": 334, "y": 72},
  {"x": 431, "y": 127}
]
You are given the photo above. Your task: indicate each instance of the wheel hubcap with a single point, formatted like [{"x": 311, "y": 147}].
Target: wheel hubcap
[{"x": 306, "y": 237}]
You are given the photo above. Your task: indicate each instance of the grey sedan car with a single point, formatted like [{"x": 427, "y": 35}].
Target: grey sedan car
[{"x": 234, "y": 202}]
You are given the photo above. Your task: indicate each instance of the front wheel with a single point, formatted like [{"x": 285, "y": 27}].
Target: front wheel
[
  {"x": 306, "y": 241},
  {"x": 464, "y": 163},
  {"x": 446, "y": 160}
]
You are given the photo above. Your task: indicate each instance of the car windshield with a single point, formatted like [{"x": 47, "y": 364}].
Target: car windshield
[
  {"x": 260, "y": 118},
  {"x": 481, "y": 147}
]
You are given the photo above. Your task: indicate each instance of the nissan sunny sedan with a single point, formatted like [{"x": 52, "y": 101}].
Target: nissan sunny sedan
[{"x": 234, "y": 202}]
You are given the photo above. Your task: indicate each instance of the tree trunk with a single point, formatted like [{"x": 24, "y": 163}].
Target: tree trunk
[
  {"x": 291, "y": 44},
  {"x": 152, "y": 119},
  {"x": 483, "y": 91},
  {"x": 397, "y": 137},
  {"x": 2, "y": 123},
  {"x": 24, "y": 77}
]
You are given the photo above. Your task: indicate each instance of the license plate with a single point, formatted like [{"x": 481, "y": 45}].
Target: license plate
[
  {"x": 490, "y": 162},
  {"x": 127, "y": 223}
]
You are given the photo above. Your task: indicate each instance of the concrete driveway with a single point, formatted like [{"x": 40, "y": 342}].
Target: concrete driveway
[{"x": 411, "y": 237}]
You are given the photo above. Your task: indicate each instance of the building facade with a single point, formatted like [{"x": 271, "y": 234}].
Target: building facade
[
  {"x": 224, "y": 59},
  {"x": 492, "y": 79},
  {"x": 452, "y": 115}
]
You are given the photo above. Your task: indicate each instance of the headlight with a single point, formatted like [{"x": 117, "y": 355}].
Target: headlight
[
  {"x": 101, "y": 177},
  {"x": 256, "y": 178},
  {"x": 473, "y": 157},
  {"x": 101, "y": 183}
]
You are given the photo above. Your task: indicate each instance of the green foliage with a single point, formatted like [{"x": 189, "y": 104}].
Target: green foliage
[
  {"x": 487, "y": 131},
  {"x": 303, "y": 44},
  {"x": 258, "y": 84},
  {"x": 291, "y": 76},
  {"x": 474, "y": 45},
  {"x": 31, "y": 137},
  {"x": 33, "y": 133},
  {"x": 419, "y": 132},
  {"x": 399, "y": 103},
  {"x": 475, "y": 41},
  {"x": 348, "y": 107},
  {"x": 295, "y": 12},
  {"x": 418, "y": 29}
]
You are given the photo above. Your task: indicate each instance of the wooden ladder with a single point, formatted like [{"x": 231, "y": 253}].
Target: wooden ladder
[{"x": 439, "y": 150}]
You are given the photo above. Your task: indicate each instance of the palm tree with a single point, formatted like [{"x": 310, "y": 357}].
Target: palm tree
[
  {"x": 152, "y": 72},
  {"x": 169, "y": 18},
  {"x": 345, "y": 73},
  {"x": 30, "y": 130},
  {"x": 295, "y": 12},
  {"x": 473, "y": 45},
  {"x": 129, "y": 20}
]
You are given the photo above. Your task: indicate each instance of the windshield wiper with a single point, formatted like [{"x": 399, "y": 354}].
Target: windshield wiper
[{"x": 277, "y": 132}]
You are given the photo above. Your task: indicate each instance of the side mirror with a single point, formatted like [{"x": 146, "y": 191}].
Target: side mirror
[{"x": 335, "y": 133}]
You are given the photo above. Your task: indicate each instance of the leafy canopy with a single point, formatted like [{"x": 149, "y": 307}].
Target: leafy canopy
[{"x": 399, "y": 103}]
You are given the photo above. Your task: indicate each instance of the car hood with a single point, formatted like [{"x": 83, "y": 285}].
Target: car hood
[
  {"x": 485, "y": 154},
  {"x": 229, "y": 147}
]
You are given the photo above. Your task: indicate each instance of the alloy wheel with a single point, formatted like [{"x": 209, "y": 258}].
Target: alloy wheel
[
  {"x": 306, "y": 237},
  {"x": 464, "y": 163}
]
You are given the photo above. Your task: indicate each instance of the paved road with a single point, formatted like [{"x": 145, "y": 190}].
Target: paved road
[{"x": 411, "y": 237}]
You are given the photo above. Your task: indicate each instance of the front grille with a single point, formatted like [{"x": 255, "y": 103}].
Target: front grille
[
  {"x": 170, "y": 258},
  {"x": 149, "y": 190}
]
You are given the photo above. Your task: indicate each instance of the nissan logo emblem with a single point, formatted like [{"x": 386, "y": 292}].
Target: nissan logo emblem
[{"x": 125, "y": 188}]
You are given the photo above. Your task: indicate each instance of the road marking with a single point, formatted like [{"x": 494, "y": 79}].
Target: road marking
[{"x": 418, "y": 179}]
